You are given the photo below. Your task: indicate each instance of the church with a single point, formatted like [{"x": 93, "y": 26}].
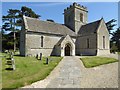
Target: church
[{"x": 75, "y": 37}]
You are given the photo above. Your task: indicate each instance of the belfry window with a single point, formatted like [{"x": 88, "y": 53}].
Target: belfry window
[
  {"x": 41, "y": 41},
  {"x": 69, "y": 18},
  {"x": 81, "y": 17}
]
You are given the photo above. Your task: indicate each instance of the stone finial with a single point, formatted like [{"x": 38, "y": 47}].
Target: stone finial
[
  {"x": 64, "y": 9},
  {"x": 67, "y": 7},
  {"x": 79, "y": 5},
  {"x": 102, "y": 18},
  {"x": 85, "y": 7},
  {"x": 74, "y": 4}
]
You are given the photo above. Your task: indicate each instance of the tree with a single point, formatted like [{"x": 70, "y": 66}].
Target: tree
[
  {"x": 114, "y": 48},
  {"x": 13, "y": 22},
  {"x": 9, "y": 25},
  {"x": 27, "y": 12},
  {"x": 116, "y": 38},
  {"x": 110, "y": 25}
]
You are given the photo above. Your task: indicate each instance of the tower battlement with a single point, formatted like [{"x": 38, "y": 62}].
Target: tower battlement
[
  {"x": 75, "y": 16},
  {"x": 75, "y": 5}
]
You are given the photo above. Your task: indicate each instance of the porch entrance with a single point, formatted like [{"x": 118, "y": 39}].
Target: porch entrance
[{"x": 68, "y": 50}]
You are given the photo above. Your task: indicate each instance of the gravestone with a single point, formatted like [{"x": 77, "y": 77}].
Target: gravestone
[
  {"x": 37, "y": 56},
  {"x": 13, "y": 63},
  {"x": 40, "y": 56},
  {"x": 11, "y": 55},
  {"x": 47, "y": 60}
]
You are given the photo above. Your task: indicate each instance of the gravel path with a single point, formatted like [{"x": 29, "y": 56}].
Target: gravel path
[
  {"x": 104, "y": 76},
  {"x": 70, "y": 73}
]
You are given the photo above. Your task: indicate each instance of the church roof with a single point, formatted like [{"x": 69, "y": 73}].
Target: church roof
[
  {"x": 63, "y": 38},
  {"x": 60, "y": 41},
  {"x": 36, "y": 25},
  {"x": 89, "y": 28}
]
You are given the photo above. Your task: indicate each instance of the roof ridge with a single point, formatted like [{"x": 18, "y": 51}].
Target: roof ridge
[
  {"x": 90, "y": 27},
  {"x": 93, "y": 22},
  {"x": 41, "y": 20},
  {"x": 30, "y": 17}
]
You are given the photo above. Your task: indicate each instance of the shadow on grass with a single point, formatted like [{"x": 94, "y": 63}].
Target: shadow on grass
[
  {"x": 9, "y": 69},
  {"x": 8, "y": 58},
  {"x": 45, "y": 63},
  {"x": 18, "y": 55}
]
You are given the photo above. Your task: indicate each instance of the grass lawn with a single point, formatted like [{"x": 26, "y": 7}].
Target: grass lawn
[
  {"x": 96, "y": 61},
  {"x": 119, "y": 53},
  {"x": 28, "y": 70}
]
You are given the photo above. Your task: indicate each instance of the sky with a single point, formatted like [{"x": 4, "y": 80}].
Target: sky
[
  {"x": 119, "y": 13},
  {"x": 54, "y": 10}
]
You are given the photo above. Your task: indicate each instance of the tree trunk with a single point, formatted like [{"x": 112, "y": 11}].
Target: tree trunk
[
  {"x": 14, "y": 42},
  {"x": 14, "y": 37}
]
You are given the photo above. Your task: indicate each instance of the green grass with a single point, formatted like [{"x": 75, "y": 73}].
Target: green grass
[
  {"x": 96, "y": 61},
  {"x": 119, "y": 53},
  {"x": 28, "y": 70}
]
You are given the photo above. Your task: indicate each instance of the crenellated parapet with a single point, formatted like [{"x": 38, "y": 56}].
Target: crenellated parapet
[
  {"x": 75, "y": 16},
  {"x": 75, "y": 5}
]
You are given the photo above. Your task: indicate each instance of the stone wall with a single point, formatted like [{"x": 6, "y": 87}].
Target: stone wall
[
  {"x": 69, "y": 19},
  {"x": 82, "y": 45},
  {"x": 22, "y": 42},
  {"x": 102, "y": 31},
  {"x": 33, "y": 44},
  {"x": 72, "y": 17},
  {"x": 70, "y": 41},
  {"x": 78, "y": 23}
]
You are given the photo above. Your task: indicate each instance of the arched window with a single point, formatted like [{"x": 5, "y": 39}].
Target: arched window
[
  {"x": 41, "y": 41},
  {"x": 103, "y": 42},
  {"x": 88, "y": 44},
  {"x": 69, "y": 18},
  {"x": 81, "y": 17}
]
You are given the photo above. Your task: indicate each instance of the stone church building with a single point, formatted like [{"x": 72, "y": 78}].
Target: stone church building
[{"x": 75, "y": 37}]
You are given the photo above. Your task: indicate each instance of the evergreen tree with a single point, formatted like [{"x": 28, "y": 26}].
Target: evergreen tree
[
  {"x": 9, "y": 25},
  {"x": 110, "y": 25},
  {"x": 116, "y": 38},
  {"x": 13, "y": 22}
]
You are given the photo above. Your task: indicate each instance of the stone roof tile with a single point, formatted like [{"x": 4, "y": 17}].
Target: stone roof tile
[
  {"x": 89, "y": 28},
  {"x": 37, "y": 25}
]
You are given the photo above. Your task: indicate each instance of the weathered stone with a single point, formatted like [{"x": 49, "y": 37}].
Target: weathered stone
[
  {"x": 47, "y": 60},
  {"x": 40, "y": 56},
  {"x": 13, "y": 63},
  {"x": 76, "y": 37}
]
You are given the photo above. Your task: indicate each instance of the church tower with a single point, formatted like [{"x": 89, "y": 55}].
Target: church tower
[{"x": 75, "y": 16}]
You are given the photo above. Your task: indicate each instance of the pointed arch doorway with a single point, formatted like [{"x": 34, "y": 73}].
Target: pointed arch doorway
[{"x": 68, "y": 50}]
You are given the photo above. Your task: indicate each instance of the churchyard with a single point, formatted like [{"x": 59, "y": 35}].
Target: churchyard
[
  {"x": 119, "y": 53},
  {"x": 94, "y": 61},
  {"x": 39, "y": 36},
  {"x": 19, "y": 71}
]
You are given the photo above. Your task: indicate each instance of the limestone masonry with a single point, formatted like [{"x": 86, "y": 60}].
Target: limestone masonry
[{"x": 75, "y": 37}]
